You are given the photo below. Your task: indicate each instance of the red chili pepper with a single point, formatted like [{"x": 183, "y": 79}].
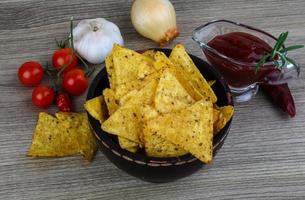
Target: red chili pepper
[
  {"x": 63, "y": 102},
  {"x": 281, "y": 96}
]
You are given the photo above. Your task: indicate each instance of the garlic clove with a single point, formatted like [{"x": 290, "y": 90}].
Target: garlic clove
[{"x": 94, "y": 39}]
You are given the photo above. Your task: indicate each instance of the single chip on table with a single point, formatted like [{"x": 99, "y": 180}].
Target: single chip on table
[
  {"x": 97, "y": 108},
  {"x": 149, "y": 54},
  {"x": 52, "y": 139},
  {"x": 190, "y": 128},
  {"x": 111, "y": 102},
  {"x": 180, "y": 57},
  {"x": 130, "y": 65},
  {"x": 67, "y": 134},
  {"x": 79, "y": 124},
  {"x": 126, "y": 121}
]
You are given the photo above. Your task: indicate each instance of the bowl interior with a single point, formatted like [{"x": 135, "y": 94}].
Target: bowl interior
[{"x": 220, "y": 87}]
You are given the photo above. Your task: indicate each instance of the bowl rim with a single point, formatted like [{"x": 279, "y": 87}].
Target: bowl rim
[{"x": 143, "y": 159}]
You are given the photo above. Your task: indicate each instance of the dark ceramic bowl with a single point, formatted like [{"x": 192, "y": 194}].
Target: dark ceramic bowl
[{"x": 158, "y": 169}]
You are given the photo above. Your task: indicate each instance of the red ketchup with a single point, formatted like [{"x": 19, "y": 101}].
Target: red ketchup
[{"x": 244, "y": 51}]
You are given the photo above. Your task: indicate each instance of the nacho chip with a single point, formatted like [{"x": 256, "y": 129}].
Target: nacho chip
[
  {"x": 180, "y": 57},
  {"x": 190, "y": 128},
  {"x": 128, "y": 144},
  {"x": 170, "y": 94},
  {"x": 112, "y": 104},
  {"x": 126, "y": 121},
  {"x": 221, "y": 117},
  {"x": 156, "y": 146},
  {"x": 123, "y": 89},
  {"x": 110, "y": 71},
  {"x": 227, "y": 112},
  {"x": 97, "y": 108},
  {"x": 130, "y": 65},
  {"x": 149, "y": 54},
  {"x": 51, "y": 139},
  {"x": 78, "y": 123}
]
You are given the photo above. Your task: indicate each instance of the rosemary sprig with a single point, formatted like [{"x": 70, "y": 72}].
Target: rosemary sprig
[{"x": 278, "y": 53}]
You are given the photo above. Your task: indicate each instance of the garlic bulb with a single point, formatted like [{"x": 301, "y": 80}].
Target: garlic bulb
[
  {"x": 155, "y": 19},
  {"x": 94, "y": 38}
]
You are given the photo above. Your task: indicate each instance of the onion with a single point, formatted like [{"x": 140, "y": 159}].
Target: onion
[{"x": 155, "y": 19}]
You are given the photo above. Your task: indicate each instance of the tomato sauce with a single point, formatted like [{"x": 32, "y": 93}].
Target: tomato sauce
[{"x": 243, "y": 51}]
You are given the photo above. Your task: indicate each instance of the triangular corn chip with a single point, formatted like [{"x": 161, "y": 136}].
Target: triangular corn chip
[
  {"x": 170, "y": 94},
  {"x": 130, "y": 65},
  {"x": 190, "y": 128},
  {"x": 128, "y": 144},
  {"x": 78, "y": 123},
  {"x": 112, "y": 104},
  {"x": 180, "y": 57},
  {"x": 51, "y": 139},
  {"x": 97, "y": 108},
  {"x": 126, "y": 121}
]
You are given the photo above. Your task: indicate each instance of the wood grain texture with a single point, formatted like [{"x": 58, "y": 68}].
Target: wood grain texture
[{"x": 263, "y": 157}]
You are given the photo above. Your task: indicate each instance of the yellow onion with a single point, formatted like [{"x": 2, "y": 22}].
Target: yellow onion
[{"x": 155, "y": 19}]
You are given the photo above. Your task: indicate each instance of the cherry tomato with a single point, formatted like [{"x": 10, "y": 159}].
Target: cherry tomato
[
  {"x": 30, "y": 73},
  {"x": 63, "y": 102},
  {"x": 75, "y": 82},
  {"x": 42, "y": 96},
  {"x": 62, "y": 57}
]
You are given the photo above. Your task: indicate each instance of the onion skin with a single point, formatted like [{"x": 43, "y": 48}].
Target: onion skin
[
  {"x": 169, "y": 35},
  {"x": 155, "y": 19}
]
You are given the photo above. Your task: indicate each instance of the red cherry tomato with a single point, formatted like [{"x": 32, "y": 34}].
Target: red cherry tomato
[
  {"x": 75, "y": 82},
  {"x": 42, "y": 96},
  {"x": 63, "y": 102},
  {"x": 62, "y": 57},
  {"x": 30, "y": 73}
]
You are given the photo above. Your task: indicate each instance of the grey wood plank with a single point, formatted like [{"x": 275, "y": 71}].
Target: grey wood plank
[{"x": 263, "y": 157}]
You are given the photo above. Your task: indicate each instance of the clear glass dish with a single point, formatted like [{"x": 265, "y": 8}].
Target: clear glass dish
[{"x": 242, "y": 77}]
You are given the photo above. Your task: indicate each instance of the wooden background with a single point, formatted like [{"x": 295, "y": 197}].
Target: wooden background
[{"x": 263, "y": 157}]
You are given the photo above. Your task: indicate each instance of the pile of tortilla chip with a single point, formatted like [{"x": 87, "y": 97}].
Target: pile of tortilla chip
[
  {"x": 159, "y": 103},
  {"x": 63, "y": 135}
]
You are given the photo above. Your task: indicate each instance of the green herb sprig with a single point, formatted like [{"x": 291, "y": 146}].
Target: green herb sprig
[{"x": 278, "y": 53}]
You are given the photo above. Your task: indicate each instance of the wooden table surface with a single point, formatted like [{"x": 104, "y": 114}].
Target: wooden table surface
[{"x": 263, "y": 156}]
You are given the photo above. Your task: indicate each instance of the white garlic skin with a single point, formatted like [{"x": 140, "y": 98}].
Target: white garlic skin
[{"x": 94, "y": 38}]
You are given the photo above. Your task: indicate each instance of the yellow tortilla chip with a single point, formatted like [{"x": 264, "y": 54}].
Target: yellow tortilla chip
[
  {"x": 97, "y": 108},
  {"x": 156, "y": 146},
  {"x": 130, "y": 65},
  {"x": 128, "y": 144},
  {"x": 67, "y": 134},
  {"x": 170, "y": 94},
  {"x": 51, "y": 139},
  {"x": 123, "y": 89},
  {"x": 78, "y": 123},
  {"x": 112, "y": 104},
  {"x": 221, "y": 117},
  {"x": 149, "y": 54},
  {"x": 110, "y": 71},
  {"x": 126, "y": 121},
  {"x": 190, "y": 128},
  {"x": 180, "y": 57}
]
